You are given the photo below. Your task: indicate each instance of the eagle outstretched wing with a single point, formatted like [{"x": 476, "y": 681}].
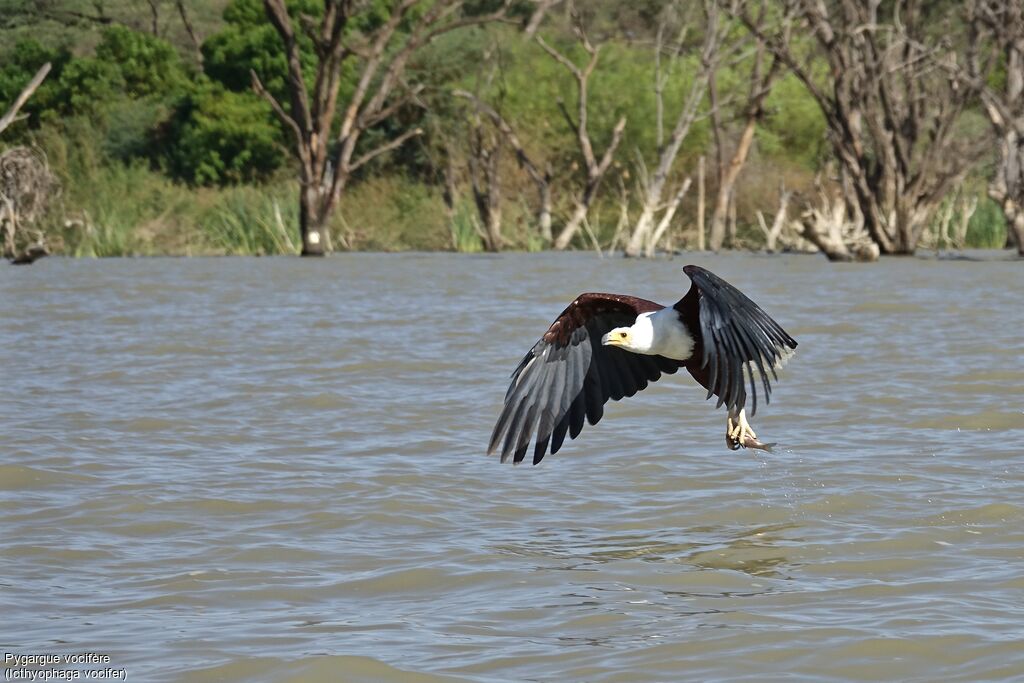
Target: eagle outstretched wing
[
  {"x": 735, "y": 334},
  {"x": 568, "y": 376}
]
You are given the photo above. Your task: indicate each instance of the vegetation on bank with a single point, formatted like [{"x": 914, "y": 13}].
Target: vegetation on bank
[{"x": 161, "y": 146}]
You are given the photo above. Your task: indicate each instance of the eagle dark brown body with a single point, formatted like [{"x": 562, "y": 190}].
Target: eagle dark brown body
[{"x": 609, "y": 346}]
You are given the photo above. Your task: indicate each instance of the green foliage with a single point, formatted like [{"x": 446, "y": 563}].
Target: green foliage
[
  {"x": 128, "y": 209},
  {"x": 87, "y": 85},
  {"x": 143, "y": 103},
  {"x": 249, "y": 41},
  {"x": 218, "y": 137},
  {"x": 987, "y": 227},
  {"x": 126, "y": 64},
  {"x": 123, "y": 90},
  {"x": 130, "y": 126},
  {"x": 794, "y": 127},
  {"x": 392, "y": 212},
  {"x": 146, "y": 65}
]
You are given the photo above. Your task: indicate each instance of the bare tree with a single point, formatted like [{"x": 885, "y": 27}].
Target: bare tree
[
  {"x": 833, "y": 229},
  {"x": 654, "y": 185},
  {"x": 594, "y": 168},
  {"x": 891, "y": 104},
  {"x": 761, "y": 79},
  {"x": 774, "y": 237},
  {"x": 999, "y": 25},
  {"x": 327, "y": 159},
  {"x": 27, "y": 189},
  {"x": 485, "y": 179},
  {"x": 540, "y": 177}
]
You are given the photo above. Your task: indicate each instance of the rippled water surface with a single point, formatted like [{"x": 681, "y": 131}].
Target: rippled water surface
[{"x": 273, "y": 469}]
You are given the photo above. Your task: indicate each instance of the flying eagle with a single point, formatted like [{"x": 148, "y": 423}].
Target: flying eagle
[{"x": 607, "y": 346}]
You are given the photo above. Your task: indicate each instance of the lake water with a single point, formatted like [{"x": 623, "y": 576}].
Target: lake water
[{"x": 274, "y": 470}]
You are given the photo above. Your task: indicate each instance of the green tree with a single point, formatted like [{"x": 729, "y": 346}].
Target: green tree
[
  {"x": 147, "y": 65},
  {"x": 218, "y": 137}
]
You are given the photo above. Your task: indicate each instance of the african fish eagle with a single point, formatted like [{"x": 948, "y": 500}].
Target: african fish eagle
[{"x": 607, "y": 346}]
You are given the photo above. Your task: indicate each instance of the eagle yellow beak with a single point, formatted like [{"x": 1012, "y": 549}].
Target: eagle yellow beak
[{"x": 613, "y": 338}]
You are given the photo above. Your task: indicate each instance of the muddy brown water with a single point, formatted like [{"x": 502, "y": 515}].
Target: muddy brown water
[{"x": 273, "y": 469}]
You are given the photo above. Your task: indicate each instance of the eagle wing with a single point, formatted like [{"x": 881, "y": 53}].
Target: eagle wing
[
  {"x": 568, "y": 376},
  {"x": 735, "y": 334}
]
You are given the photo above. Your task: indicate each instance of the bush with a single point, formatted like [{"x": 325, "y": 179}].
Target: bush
[
  {"x": 249, "y": 41},
  {"x": 218, "y": 137},
  {"x": 146, "y": 65}
]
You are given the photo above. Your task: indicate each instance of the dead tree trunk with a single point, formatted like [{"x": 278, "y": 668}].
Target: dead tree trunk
[
  {"x": 540, "y": 178},
  {"x": 594, "y": 168},
  {"x": 654, "y": 185},
  {"x": 700, "y": 204},
  {"x": 1000, "y": 25},
  {"x": 651, "y": 246},
  {"x": 891, "y": 105},
  {"x": 834, "y": 229},
  {"x": 154, "y": 13},
  {"x": 773, "y": 234},
  {"x": 484, "y": 177},
  {"x": 27, "y": 189},
  {"x": 325, "y": 138},
  {"x": 761, "y": 81}
]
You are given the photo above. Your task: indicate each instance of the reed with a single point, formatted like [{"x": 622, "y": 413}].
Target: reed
[
  {"x": 987, "y": 229},
  {"x": 253, "y": 221},
  {"x": 464, "y": 227}
]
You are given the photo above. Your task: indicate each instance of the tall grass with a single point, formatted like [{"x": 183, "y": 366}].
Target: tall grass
[
  {"x": 464, "y": 228},
  {"x": 987, "y": 227},
  {"x": 391, "y": 213},
  {"x": 125, "y": 211},
  {"x": 247, "y": 220}
]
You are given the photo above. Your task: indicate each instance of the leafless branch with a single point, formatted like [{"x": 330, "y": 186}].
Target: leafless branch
[
  {"x": 390, "y": 145},
  {"x": 282, "y": 115},
  {"x": 12, "y": 114}
]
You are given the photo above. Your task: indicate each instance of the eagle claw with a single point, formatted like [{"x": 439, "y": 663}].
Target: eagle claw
[{"x": 739, "y": 434}]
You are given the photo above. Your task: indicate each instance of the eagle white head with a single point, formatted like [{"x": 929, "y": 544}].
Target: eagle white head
[
  {"x": 657, "y": 333},
  {"x": 638, "y": 337}
]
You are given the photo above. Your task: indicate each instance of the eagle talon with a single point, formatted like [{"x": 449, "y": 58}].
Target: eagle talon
[
  {"x": 732, "y": 441},
  {"x": 739, "y": 434}
]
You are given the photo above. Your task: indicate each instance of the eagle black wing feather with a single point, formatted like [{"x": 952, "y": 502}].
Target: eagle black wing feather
[
  {"x": 568, "y": 376},
  {"x": 735, "y": 335}
]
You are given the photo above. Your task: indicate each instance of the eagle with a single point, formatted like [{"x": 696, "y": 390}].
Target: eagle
[{"x": 610, "y": 346}]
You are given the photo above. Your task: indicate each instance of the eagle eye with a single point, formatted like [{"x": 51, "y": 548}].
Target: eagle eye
[{"x": 622, "y": 335}]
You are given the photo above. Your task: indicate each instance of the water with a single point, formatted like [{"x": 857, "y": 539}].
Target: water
[{"x": 273, "y": 469}]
